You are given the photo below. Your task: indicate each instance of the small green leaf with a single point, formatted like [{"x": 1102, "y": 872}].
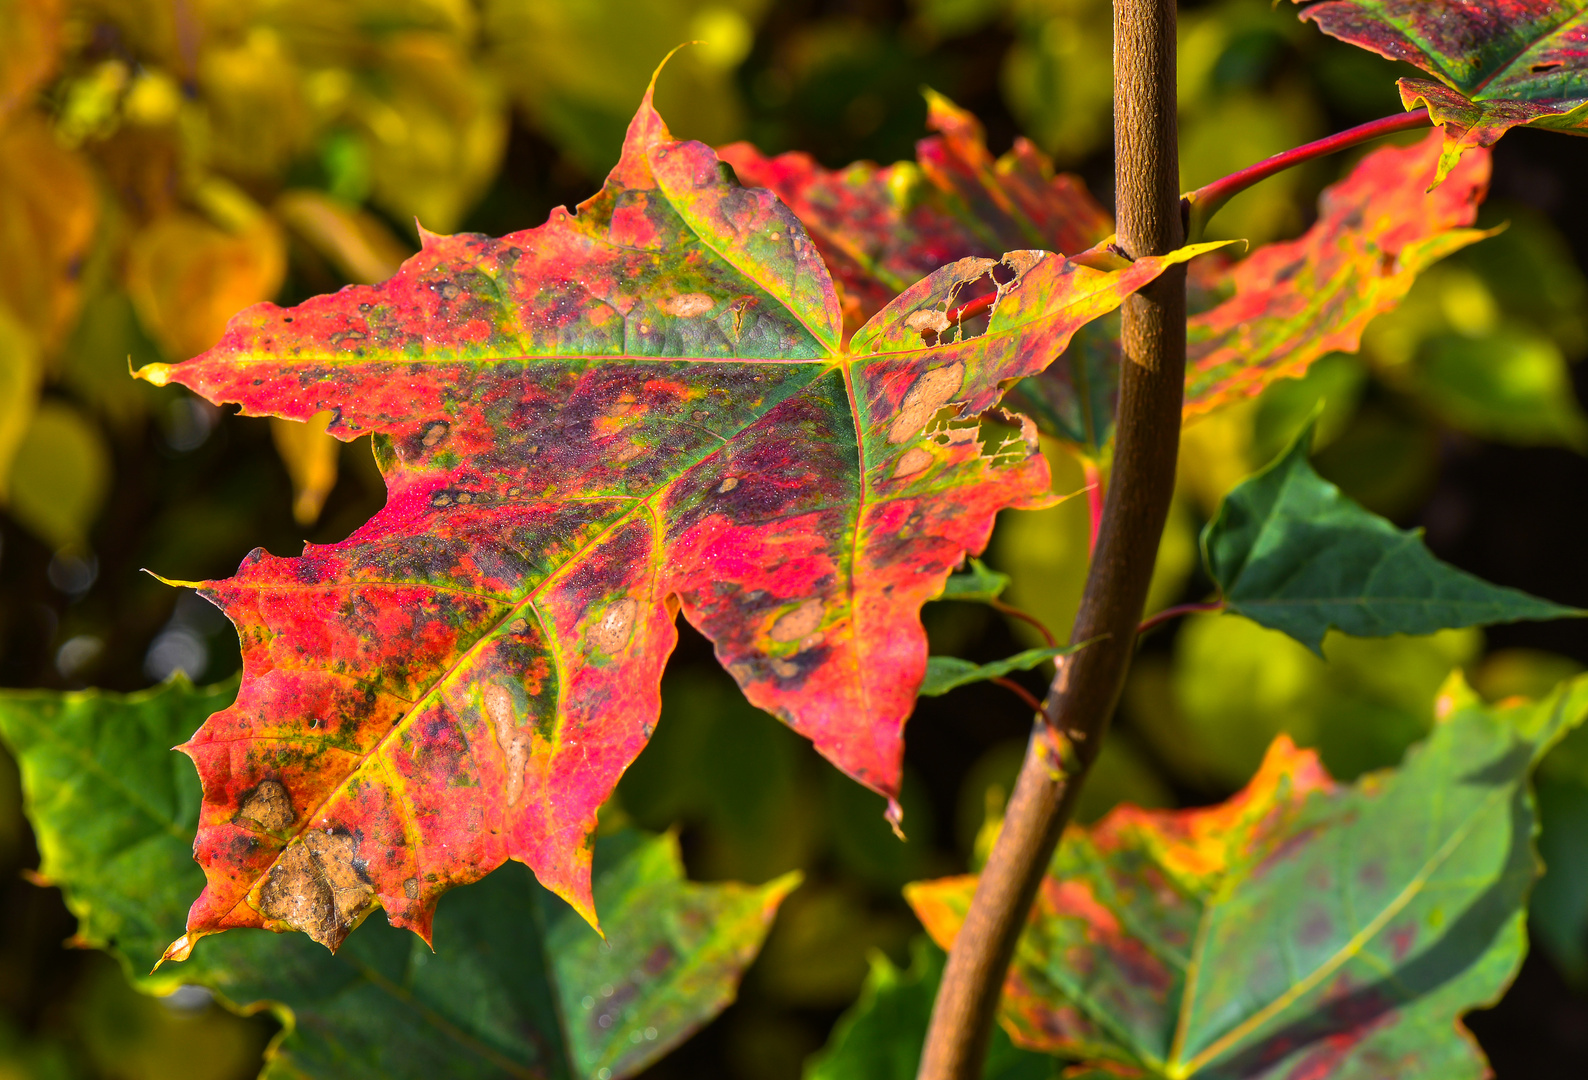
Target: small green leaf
[
  {"x": 1292, "y": 553},
  {"x": 1302, "y": 928},
  {"x": 945, "y": 673},
  {"x": 518, "y": 985},
  {"x": 979, "y": 584},
  {"x": 880, "y": 1037}
]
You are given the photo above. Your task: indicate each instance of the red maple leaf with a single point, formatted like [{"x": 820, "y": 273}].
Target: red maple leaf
[{"x": 638, "y": 408}]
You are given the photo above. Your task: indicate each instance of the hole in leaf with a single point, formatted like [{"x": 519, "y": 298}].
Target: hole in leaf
[{"x": 1539, "y": 69}]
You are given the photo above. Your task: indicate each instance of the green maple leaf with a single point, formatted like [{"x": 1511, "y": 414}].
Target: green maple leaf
[
  {"x": 1301, "y": 928},
  {"x": 1289, "y": 551}
]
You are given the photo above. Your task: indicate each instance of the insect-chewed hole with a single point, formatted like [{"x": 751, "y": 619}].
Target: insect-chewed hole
[
  {"x": 1000, "y": 435},
  {"x": 1539, "y": 69}
]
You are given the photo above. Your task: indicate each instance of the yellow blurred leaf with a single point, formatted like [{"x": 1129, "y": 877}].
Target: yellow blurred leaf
[
  {"x": 575, "y": 67},
  {"x": 356, "y": 242},
  {"x": 19, "y": 391},
  {"x": 59, "y": 476},
  {"x": 436, "y": 136},
  {"x": 48, "y": 213},
  {"x": 257, "y": 120},
  {"x": 310, "y": 457},
  {"x": 30, "y": 38},
  {"x": 186, "y": 277}
]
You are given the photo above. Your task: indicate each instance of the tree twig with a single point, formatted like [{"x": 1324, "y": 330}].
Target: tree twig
[{"x": 1087, "y": 684}]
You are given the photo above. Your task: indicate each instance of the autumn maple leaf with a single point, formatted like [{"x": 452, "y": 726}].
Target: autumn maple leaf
[{"x": 636, "y": 409}]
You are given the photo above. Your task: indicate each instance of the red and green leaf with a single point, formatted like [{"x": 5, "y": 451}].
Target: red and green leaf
[
  {"x": 1302, "y": 929},
  {"x": 881, "y": 229},
  {"x": 1272, "y": 314},
  {"x": 1499, "y": 64},
  {"x": 1296, "y": 301},
  {"x": 1266, "y": 317},
  {"x": 638, "y": 408}
]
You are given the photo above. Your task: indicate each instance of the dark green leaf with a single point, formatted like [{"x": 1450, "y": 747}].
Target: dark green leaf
[
  {"x": 945, "y": 673},
  {"x": 980, "y": 583},
  {"x": 115, "y": 813},
  {"x": 1291, "y": 552}
]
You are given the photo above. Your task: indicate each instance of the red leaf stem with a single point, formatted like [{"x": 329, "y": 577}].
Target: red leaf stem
[{"x": 1207, "y": 200}]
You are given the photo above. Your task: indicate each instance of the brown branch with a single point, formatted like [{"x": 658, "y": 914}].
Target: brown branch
[{"x": 1087, "y": 685}]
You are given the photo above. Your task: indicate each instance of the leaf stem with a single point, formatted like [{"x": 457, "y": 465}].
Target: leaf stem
[
  {"x": 1175, "y": 612},
  {"x": 1028, "y": 618},
  {"x": 1019, "y": 691},
  {"x": 1087, "y": 684},
  {"x": 1201, "y": 204}
]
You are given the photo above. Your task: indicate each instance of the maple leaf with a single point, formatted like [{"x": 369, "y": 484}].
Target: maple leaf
[
  {"x": 1270, "y": 315},
  {"x": 881, "y": 229},
  {"x": 1266, "y": 317},
  {"x": 1500, "y": 64},
  {"x": 1301, "y": 929},
  {"x": 1296, "y": 301},
  {"x": 636, "y": 409}
]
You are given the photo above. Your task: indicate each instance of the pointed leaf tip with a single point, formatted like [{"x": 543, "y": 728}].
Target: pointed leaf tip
[{"x": 1290, "y": 551}]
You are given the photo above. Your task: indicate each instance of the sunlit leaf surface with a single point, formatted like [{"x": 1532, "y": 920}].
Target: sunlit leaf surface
[
  {"x": 1289, "y": 551},
  {"x": 881, "y": 229},
  {"x": 518, "y": 984},
  {"x": 1302, "y": 929},
  {"x": 1499, "y": 63},
  {"x": 634, "y": 409}
]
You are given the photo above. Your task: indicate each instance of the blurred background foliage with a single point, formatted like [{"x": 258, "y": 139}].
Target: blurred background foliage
[{"x": 164, "y": 163}]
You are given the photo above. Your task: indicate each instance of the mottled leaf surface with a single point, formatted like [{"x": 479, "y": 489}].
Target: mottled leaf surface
[
  {"x": 945, "y": 673},
  {"x": 881, "y": 1035},
  {"x": 1290, "y": 551},
  {"x": 1499, "y": 63},
  {"x": 1296, "y": 301},
  {"x": 1300, "y": 930},
  {"x": 518, "y": 985},
  {"x": 881, "y": 229},
  {"x": 1266, "y": 317},
  {"x": 585, "y": 427}
]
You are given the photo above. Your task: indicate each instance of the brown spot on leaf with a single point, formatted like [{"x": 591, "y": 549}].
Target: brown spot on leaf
[
  {"x": 728, "y": 485},
  {"x": 513, "y": 739},
  {"x": 611, "y": 632},
  {"x": 411, "y": 888},
  {"x": 930, "y": 393},
  {"x": 927, "y": 319},
  {"x": 912, "y": 461},
  {"x": 267, "y": 806},
  {"x": 436, "y": 432},
  {"x": 687, "y": 305},
  {"x": 314, "y": 887},
  {"x": 799, "y": 623}
]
